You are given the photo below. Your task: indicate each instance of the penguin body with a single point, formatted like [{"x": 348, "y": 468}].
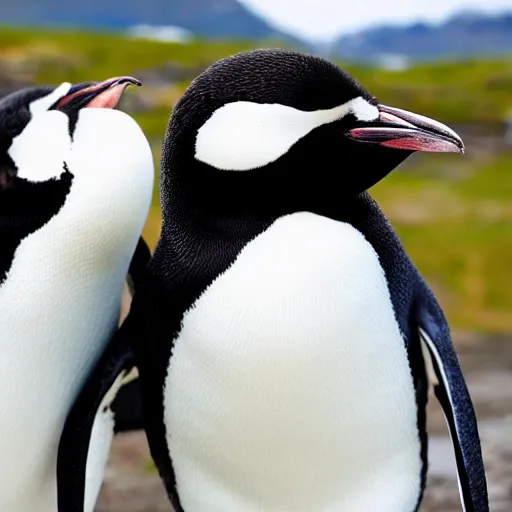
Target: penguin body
[
  {"x": 280, "y": 328},
  {"x": 74, "y": 201},
  {"x": 290, "y": 353}
]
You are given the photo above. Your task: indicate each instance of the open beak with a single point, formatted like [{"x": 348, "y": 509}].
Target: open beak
[
  {"x": 105, "y": 94},
  {"x": 396, "y": 128}
]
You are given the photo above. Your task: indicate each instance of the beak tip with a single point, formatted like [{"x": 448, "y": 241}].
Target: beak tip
[
  {"x": 125, "y": 80},
  {"x": 106, "y": 94},
  {"x": 405, "y": 130}
]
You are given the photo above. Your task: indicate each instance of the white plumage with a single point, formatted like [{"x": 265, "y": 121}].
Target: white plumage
[
  {"x": 289, "y": 387},
  {"x": 61, "y": 300}
]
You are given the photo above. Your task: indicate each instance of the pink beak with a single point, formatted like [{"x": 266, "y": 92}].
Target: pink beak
[
  {"x": 400, "y": 129},
  {"x": 105, "y": 94}
]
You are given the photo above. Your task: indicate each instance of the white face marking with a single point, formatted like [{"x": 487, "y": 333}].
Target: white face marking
[
  {"x": 41, "y": 149},
  {"x": 289, "y": 386},
  {"x": 240, "y": 136},
  {"x": 44, "y": 103}
]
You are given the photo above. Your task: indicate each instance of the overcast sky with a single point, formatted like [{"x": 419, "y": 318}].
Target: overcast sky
[{"x": 324, "y": 19}]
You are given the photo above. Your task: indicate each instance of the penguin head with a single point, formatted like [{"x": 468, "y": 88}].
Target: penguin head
[
  {"x": 290, "y": 129},
  {"x": 16, "y": 111},
  {"x": 69, "y": 146}
]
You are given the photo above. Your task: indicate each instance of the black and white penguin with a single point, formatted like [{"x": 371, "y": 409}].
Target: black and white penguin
[
  {"x": 76, "y": 182},
  {"x": 281, "y": 332}
]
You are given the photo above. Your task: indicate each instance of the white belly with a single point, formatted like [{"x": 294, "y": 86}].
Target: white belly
[
  {"x": 289, "y": 389},
  {"x": 54, "y": 322}
]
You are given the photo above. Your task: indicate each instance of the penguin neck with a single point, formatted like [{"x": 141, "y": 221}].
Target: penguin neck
[
  {"x": 26, "y": 207},
  {"x": 242, "y": 204},
  {"x": 233, "y": 200},
  {"x": 203, "y": 207},
  {"x": 205, "y": 226}
]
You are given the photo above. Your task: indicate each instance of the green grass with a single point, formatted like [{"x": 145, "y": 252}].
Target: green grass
[
  {"x": 455, "y": 92},
  {"x": 81, "y": 56},
  {"x": 458, "y": 231},
  {"x": 453, "y": 214},
  {"x": 477, "y": 91}
]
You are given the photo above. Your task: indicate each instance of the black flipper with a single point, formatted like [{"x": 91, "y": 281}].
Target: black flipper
[
  {"x": 127, "y": 406},
  {"x": 95, "y": 397},
  {"x": 138, "y": 265},
  {"x": 109, "y": 401},
  {"x": 453, "y": 395}
]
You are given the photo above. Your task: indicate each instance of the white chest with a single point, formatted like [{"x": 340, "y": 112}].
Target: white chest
[
  {"x": 289, "y": 388},
  {"x": 58, "y": 309}
]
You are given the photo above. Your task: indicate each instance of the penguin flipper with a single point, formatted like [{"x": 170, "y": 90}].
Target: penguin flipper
[
  {"x": 91, "y": 417},
  {"x": 109, "y": 402},
  {"x": 127, "y": 405},
  {"x": 140, "y": 260},
  {"x": 453, "y": 395}
]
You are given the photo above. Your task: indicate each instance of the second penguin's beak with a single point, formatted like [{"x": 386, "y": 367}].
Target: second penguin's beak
[
  {"x": 400, "y": 129},
  {"x": 105, "y": 94}
]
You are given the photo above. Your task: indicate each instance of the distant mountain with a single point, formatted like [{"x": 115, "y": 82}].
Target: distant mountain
[
  {"x": 465, "y": 35},
  {"x": 206, "y": 18}
]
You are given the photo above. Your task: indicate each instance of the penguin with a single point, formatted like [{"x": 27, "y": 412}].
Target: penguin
[
  {"x": 285, "y": 341},
  {"x": 127, "y": 406},
  {"x": 76, "y": 180}
]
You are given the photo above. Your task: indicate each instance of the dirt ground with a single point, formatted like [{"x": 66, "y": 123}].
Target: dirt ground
[{"x": 131, "y": 486}]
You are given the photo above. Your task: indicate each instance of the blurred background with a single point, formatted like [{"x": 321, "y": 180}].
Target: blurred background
[{"x": 447, "y": 59}]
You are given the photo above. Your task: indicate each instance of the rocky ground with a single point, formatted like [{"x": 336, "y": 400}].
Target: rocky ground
[{"x": 132, "y": 486}]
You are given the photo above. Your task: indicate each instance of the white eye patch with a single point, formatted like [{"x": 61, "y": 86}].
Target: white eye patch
[
  {"x": 41, "y": 149},
  {"x": 44, "y": 103},
  {"x": 242, "y": 135}
]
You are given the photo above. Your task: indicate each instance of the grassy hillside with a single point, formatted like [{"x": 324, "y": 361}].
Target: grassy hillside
[
  {"x": 453, "y": 213},
  {"x": 463, "y": 92},
  {"x": 77, "y": 56}
]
